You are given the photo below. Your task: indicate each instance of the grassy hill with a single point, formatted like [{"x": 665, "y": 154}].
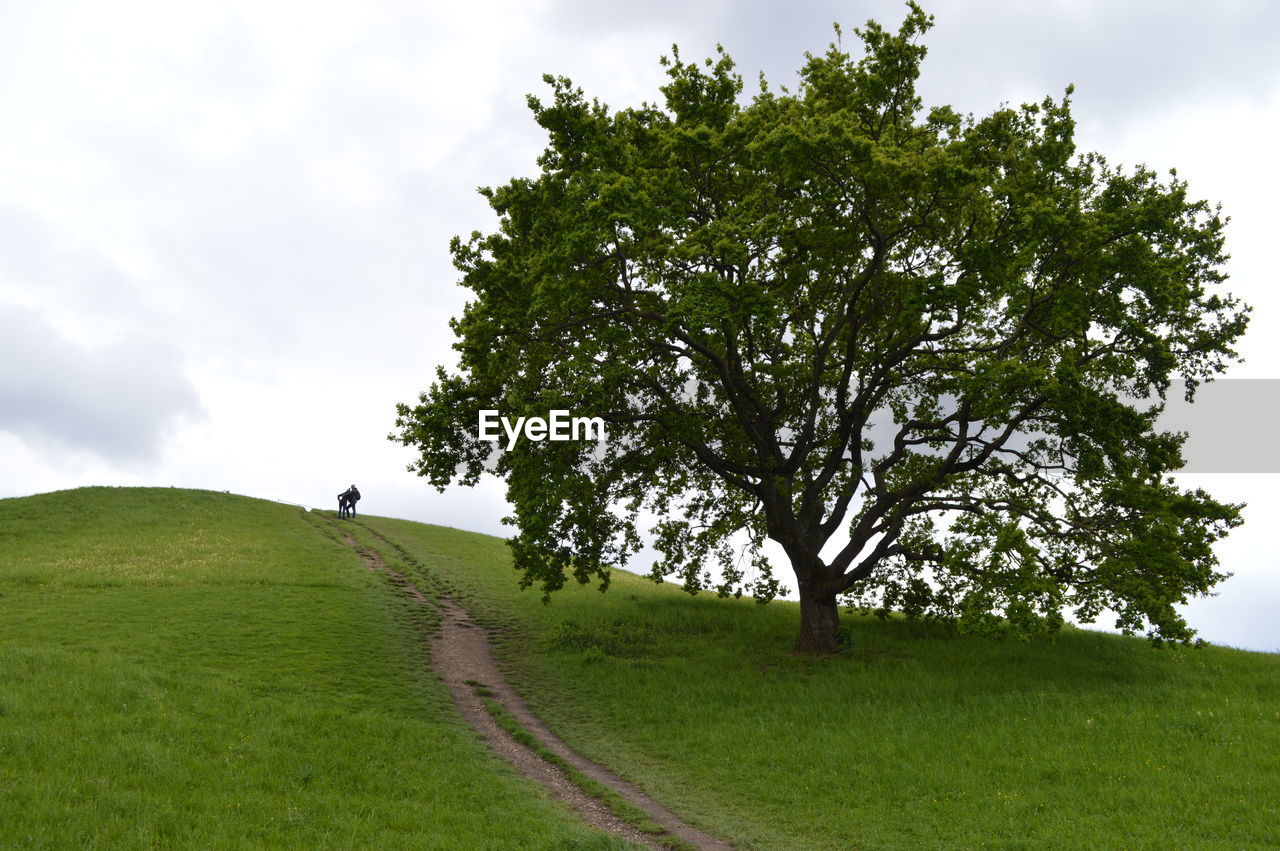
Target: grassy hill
[
  {"x": 916, "y": 738},
  {"x": 193, "y": 668}
]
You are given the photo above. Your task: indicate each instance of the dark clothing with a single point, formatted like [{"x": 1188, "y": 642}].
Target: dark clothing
[{"x": 347, "y": 502}]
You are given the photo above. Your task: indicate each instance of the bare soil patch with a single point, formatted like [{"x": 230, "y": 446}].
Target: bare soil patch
[{"x": 460, "y": 653}]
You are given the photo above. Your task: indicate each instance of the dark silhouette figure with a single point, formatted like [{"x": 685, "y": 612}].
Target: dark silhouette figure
[{"x": 347, "y": 502}]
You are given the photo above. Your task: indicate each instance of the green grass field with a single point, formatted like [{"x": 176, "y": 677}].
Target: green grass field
[
  {"x": 191, "y": 669},
  {"x": 182, "y": 668},
  {"x": 915, "y": 738}
]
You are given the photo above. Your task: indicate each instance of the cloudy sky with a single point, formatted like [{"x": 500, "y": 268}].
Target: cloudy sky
[{"x": 224, "y": 226}]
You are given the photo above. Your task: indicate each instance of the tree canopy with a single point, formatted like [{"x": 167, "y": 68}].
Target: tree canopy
[{"x": 909, "y": 346}]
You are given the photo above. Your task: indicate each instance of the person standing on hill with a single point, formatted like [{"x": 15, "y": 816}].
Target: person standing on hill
[{"x": 347, "y": 502}]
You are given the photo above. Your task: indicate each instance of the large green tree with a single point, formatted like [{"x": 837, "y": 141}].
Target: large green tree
[{"x": 902, "y": 344}]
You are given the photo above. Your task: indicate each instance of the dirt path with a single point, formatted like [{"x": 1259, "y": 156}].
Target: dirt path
[{"x": 460, "y": 653}]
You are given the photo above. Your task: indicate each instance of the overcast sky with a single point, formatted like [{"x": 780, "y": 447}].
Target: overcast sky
[{"x": 224, "y": 226}]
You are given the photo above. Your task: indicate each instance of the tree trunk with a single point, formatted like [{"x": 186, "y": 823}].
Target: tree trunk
[{"x": 819, "y": 620}]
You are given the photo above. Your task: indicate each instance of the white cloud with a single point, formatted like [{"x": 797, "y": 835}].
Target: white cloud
[{"x": 117, "y": 402}]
